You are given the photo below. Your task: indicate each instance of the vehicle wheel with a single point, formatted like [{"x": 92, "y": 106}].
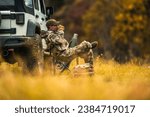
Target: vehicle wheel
[
  {"x": 40, "y": 54},
  {"x": 32, "y": 57}
]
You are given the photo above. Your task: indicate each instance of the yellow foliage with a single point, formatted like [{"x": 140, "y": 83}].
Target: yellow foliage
[
  {"x": 128, "y": 81},
  {"x": 119, "y": 17},
  {"x": 132, "y": 25}
]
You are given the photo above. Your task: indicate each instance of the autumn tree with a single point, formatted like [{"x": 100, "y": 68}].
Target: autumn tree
[
  {"x": 122, "y": 26},
  {"x": 98, "y": 22},
  {"x": 130, "y": 34}
]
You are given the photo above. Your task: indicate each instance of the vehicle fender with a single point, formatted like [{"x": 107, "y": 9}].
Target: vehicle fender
[{"x": 33, "y": 28}]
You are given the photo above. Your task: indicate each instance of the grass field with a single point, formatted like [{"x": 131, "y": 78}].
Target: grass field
[{"x": 111, "y": 81}]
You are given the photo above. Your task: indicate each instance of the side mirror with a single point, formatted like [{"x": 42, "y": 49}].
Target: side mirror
[{"x": 49, "y": 11}]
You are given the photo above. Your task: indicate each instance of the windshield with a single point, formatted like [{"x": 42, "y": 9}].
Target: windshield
[{"x": 7, "y": 2}]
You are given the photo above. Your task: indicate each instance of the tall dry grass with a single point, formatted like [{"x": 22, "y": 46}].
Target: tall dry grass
[{"x": 111, "y": 81}]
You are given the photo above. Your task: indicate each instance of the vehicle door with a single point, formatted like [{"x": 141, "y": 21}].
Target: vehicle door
[{"x": 40, "y": 13}]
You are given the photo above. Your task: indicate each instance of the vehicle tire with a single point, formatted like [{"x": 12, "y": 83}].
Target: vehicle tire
[
  {"x": 32, "y": 57},
  {"x": 35, "y": 61}
]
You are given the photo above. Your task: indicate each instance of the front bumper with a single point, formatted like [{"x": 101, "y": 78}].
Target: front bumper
[{"x": 14, "y": 42}]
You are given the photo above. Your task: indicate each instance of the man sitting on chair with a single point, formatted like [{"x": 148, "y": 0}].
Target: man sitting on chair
[{"x": 59, "y": 47}]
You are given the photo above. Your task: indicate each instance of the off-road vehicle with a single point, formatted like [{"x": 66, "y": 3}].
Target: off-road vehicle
[{"x": 20, "y": 24}]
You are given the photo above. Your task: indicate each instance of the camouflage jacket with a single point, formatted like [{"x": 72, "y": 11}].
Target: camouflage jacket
[{"x": 56, "y": 42}]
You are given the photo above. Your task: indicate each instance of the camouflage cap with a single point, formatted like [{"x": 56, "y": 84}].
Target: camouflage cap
[{"x": 52, "y": 22}]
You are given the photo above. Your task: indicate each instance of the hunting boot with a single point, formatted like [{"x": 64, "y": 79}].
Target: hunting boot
[{"x": 94, "y": 44}]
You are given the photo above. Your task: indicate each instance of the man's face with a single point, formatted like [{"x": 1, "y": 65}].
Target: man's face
[{"x": 53, "y": 28}]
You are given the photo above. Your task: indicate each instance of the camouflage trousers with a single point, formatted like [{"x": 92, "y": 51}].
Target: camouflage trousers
[{"x": 82, "y": 50}]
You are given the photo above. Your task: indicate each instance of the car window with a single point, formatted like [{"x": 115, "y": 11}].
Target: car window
[
  {"x": 42, "y": 6},
  {"x": 36, "y": 4},
  {"x": 28, "y": 3}
]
